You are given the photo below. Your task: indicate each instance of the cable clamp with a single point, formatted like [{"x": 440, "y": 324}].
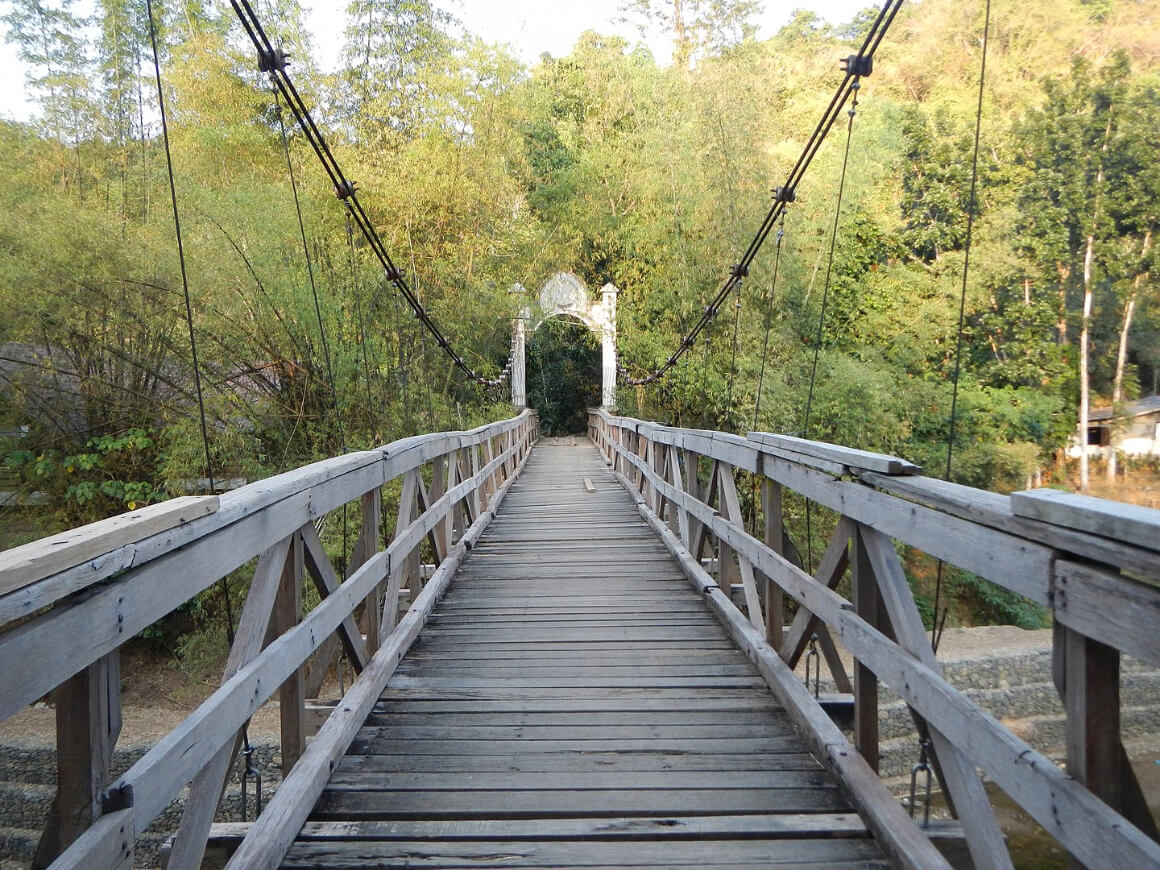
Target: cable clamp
[
  {"x": 784, "y": 194},
  {"x": 740, "y": 270},
  {"x": 858, "y": 65},
  {"x": 345, "y": 189},
  {"x": 274, "y": 60}
]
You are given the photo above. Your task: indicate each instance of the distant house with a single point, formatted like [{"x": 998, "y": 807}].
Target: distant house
[{"x": 1135, "y": 431}]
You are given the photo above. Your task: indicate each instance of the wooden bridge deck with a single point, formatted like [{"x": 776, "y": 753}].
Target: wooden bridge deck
[{"x": 572, "y": 703}]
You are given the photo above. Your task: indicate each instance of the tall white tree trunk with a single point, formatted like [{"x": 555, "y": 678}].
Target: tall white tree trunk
[{"x": 1122, "y": 351}]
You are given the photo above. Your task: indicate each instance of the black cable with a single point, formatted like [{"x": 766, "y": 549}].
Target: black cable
[
  {"x": 822, "y": 316},
  {"x": 936, "y": 623},
  {"x": 829, "y": 265},
  {"x": 273, "y": 61},
  {"x": 856, "y": 66},
  {"x": 180, "y": 244}
]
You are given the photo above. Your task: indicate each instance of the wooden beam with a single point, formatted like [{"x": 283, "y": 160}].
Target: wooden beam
[
  {"x": 1118, "y": 520},
  {"x": 984, "y": 838},
  {"x": 291, "y": 694},
  {"x": 861, "y": 460},
  {"x": 326, "y": 582},
  {"x": 88, "y": 720},
  {"x": 206, "y": 790},
  {"x": 1014, "y": 563},
  {"x": 771, "y": 509},
  {"x": 865, "y": 680},
  {"x": 22, "y": 566},
  {"x": 1119, "y": 611}
]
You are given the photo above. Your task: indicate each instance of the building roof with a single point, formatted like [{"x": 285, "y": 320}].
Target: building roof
[{"x": 1138, "y": 408}]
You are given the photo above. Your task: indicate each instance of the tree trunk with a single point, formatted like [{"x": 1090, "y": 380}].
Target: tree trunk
[
  {"x": 1084, "y": 381},
  {"x": 1122, "y": 351},
  {"x": 1085, "y": 328}
]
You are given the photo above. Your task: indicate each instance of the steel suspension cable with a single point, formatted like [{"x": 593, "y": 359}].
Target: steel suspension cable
[
  {"x": 805, "y": 432},
  {"x": 936, "y": 622},
  {"x": 855, "y": 67},
  {"x": 310, "y": 273},
  {"x": 273, "y": 61},
  {"x": 180, "y": 245}
]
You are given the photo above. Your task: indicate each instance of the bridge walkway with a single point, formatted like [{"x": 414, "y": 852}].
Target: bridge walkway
[{"x": 572, "y": 703}]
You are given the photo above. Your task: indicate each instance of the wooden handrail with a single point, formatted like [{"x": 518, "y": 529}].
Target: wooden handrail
[
  {"x": 1096, "y": 811},
  {"x": 102, "y": 602}
]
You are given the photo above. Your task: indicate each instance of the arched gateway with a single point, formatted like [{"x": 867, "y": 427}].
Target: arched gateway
[{"x": 565, "y": 294}]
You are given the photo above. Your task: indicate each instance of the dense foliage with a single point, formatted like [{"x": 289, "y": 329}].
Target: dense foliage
[{"x": 480, "y": 173}]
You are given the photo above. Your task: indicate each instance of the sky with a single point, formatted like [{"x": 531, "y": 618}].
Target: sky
[{"x": 530, "y": 27}]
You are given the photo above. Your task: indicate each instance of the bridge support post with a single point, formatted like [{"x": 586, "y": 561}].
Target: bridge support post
[
  {"x": 518, "y": 375},
  {"x": 292, "y": 693},
  {"x": 865, "y": 681},
  {"x": 608, "y": 295},
  {"x": 88, "y": 721}
]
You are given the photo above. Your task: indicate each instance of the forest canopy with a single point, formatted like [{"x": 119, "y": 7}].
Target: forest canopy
[{"x": 480, "y": 173}]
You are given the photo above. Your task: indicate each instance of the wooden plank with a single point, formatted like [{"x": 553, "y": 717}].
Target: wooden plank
[
  {"x": 292, "y": 692},
  {"x": 353, "y": 805},
  {"x": 88, "y": 720},
  {"x": 861, "y": 460},
  {"x": 831, "y": 825},
  {"x": 1116, "y": 610},
  {"x": 594, "y": 780},
  {"x": 589, "y": 486},
  {"x": 22, "y": 566},
  {"x": 994, "y": 511},
  {"x": 1012, "y": 562},
  {"x": 1133, "y": 524},
  {"x": 801, "y": 853},
  {"x": 590, "y": 762}
]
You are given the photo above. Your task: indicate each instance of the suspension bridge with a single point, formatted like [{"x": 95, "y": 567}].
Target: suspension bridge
[
  {"x": 597, "y": 667},
  {"x": 570, "y": 685}
]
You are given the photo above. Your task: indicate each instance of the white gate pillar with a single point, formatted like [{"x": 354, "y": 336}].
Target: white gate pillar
[
  {"x": 519, "y": 340},
  {"x": 608, "y": 345}
]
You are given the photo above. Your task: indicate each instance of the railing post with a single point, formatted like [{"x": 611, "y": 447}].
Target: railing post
[
  {"x": 774, "y": 597},
  {"x": 292, "y": 693},
  {"x": 865, "y": 682},
  {"x": 88, "y": 720},
  {"x": 365, "y": 547}
]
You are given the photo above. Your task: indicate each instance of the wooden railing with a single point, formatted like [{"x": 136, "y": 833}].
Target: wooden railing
[
  {"x": 68, "y": 604},
  {"x": 1095, "y": 564}
]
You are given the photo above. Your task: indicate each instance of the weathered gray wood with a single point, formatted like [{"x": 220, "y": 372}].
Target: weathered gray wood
[
  {"x": 861, "y": 460},
  {"x": 984, "y": 838},
  {"x": 1119, "y": 611},
  {"x": 994, "y": 511},
  {"x": 865, "y": 594},
  {"x": 801, "y": 853},
  {"x": 206, "y": 790},
  {"x": 322, "y": 572},
  {"x": 88, "y": 720},
  {"x": 292, "y": 692},
  {"x": 831, "y": 568},
  {"x": 1133, "y": 524},
  {"x": 774, "y": 534},
  {"x": 22, "y": 566},
  {"x": 1015, "y": 563},
  {"x": 275, "y": 829}
]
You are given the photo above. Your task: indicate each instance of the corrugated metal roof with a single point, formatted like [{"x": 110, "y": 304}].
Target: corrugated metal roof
[{"x": 1147, "y": 405}]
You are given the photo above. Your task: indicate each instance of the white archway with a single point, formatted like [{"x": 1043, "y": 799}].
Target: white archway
[{"x": 565, "y": 294}]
